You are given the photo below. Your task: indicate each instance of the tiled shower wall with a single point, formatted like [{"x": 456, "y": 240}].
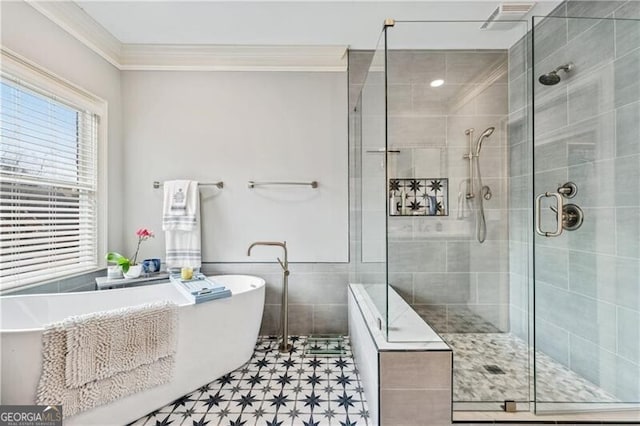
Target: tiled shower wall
[
  {"x": 587, "y": 131},
  {"x": 435, "y": 263},
  {"x": 453, "y": 281}
]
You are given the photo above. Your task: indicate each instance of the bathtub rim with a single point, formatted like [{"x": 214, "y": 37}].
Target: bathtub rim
[{"x": 259, "y": 283}]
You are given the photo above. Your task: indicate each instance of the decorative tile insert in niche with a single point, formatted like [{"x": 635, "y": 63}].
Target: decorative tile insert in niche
[{"x": 419, "y": 197}]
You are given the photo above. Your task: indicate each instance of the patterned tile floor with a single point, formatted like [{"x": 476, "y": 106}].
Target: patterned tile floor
[
  {"x": 473, "y": 381},
  {"x": 275, "y": 389}
]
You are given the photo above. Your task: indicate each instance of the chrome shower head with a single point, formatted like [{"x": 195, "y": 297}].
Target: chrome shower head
[
  {"x": 488, "y": 132},
  {"x": 552, "y": 78},
  {"x": 549, "y": 79}
]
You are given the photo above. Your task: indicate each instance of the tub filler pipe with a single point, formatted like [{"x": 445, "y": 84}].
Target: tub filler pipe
[{"x": 284, "y": 309}]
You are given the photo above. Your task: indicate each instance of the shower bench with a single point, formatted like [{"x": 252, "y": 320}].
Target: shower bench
[{"x": 407, "y": 380}]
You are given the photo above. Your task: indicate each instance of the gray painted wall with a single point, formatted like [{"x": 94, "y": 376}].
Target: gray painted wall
[{"x": 318, "y": 295}]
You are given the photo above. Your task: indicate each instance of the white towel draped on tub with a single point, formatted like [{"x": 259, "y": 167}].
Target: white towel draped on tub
[
  {"x": 93, "y": 359},
  {"x": 181, "y": 223}
]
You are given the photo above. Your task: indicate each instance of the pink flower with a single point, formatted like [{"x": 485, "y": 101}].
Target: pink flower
[{"x": 144, "y": 233}]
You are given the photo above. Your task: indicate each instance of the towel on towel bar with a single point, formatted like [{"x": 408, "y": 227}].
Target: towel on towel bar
[
  {"x": 180, "y": 208},
  {"x": 90, "y": 360},
  {"x": 182, "y": 232},
  {"x": 183, "y": 249}
]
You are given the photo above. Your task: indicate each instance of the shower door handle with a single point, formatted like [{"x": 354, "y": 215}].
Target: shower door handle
[{"x": 559, "y": 208}]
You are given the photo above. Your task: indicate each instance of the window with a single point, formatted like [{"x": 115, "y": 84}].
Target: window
[{"x": 48, "y": 185}]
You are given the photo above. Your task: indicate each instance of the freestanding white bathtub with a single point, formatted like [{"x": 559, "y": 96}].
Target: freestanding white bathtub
[{"x": 214, "y": 338}]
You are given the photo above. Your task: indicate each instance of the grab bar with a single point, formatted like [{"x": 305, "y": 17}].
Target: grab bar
[
  {"x": 157, "y": 184},
  {"x": 253, "y": 184}
]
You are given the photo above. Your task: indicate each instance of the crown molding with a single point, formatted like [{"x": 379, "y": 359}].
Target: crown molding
[
  {"x": 182, "y": 57},
  {"x": 71, "y": 18},
  {"x": 233, "y": 58}
]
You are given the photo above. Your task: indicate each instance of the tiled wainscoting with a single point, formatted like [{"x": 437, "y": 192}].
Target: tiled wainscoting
[
  {"x": 80, "y": 282},
  {"x": 317, "y": 293},
  {"x": 415, "y": 387}
]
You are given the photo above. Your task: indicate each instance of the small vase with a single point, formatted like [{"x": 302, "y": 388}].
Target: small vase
[
  {"x": 133, "y": 272},
  {"x": 150, "y": 266},
  {"x": 114, "y": 272}
]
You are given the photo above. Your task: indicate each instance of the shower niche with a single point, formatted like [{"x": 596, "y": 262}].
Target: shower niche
[{"x": 418, "y": 197}]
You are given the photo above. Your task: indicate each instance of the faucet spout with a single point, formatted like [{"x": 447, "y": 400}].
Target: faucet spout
[
  {"x": 285, "y": 264},
  {"x": 267, "y": 243}
]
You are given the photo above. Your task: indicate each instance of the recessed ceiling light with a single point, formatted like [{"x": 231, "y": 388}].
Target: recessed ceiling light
[{"x": 437, "y": 83}]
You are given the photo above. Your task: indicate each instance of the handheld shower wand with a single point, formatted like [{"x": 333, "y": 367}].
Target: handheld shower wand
[
  {"x": 484, "y": 191},
  {"x": 475, "y": 185},
  {"x": 488, "y": 132}
]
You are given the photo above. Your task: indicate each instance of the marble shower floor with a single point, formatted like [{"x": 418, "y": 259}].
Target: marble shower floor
[
  {"x": 275, "y": 389},
  {"x": 475, "y": 378}
]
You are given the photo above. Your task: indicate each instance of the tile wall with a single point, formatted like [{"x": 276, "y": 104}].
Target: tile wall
[
  {"x": 435, "y": 263},
  {"x": 83, "y": 282},
  {"x": 586, "y": 131},
  {"x": 317, "y": 293},
  {"x": 415, "y": 388}
]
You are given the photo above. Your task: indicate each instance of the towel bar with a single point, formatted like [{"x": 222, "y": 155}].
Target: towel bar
[
  {"x": 382, "y": 151},
  {"x": 253, "y": 184},
  {"x": 157, "y": 184}
]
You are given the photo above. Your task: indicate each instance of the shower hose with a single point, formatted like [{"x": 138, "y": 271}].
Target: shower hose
[{"x": 485, "y": 194}]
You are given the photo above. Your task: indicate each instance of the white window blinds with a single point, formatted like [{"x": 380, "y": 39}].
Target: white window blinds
[{"x": 48, "y": 186}]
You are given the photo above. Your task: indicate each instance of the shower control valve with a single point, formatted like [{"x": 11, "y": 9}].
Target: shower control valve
[
  {"x": 568, "y": 190},
  {"x": 572, "y": 216}
]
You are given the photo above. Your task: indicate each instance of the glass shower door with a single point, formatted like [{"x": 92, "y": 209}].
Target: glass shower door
[
  {"x": 586, "y": 188},
  {"x": 371, "y": 159}
]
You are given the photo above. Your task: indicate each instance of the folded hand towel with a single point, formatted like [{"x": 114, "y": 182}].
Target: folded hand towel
[
  {"x": 182, "y": 233},
  {"x": 180, "y": 206}
]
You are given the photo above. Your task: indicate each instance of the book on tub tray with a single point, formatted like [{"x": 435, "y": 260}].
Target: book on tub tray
[{"x": 200, "y": 288}]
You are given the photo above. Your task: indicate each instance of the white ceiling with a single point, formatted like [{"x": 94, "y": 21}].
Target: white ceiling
[{"x": 353, "y": 23}]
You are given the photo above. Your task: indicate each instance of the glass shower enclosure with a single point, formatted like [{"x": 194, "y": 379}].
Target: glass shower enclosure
[
  {"x": 586, "y": 164},
  {"x": 497, "y": 196}
]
